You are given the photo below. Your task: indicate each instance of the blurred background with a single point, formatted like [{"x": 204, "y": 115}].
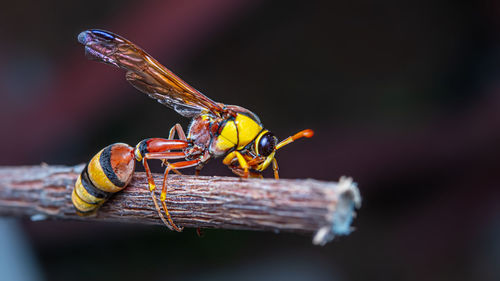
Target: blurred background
[{"x": 404, "y": 96}]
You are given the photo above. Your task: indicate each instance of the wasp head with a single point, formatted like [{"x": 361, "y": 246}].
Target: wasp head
[
  {"x": 266, "y": 144},
  {"x": 264, "y": 148}
]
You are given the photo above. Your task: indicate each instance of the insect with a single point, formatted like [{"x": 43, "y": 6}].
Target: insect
[{"x": 216, "y": 130}]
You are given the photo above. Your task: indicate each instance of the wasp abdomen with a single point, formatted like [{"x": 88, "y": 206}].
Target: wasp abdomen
[{"x": 108, "y": 172}]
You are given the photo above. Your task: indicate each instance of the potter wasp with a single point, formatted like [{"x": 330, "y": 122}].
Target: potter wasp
[{"x": 216, "y": 130}]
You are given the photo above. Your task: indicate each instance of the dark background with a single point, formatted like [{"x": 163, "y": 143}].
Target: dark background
[{"x": 404, "y": 96}]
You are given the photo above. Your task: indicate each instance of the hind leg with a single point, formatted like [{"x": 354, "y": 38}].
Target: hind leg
[
  {"x": 158, "y": 148},
  {"x": 182, "y": 136},
  {"x": 152, "y": 188}
]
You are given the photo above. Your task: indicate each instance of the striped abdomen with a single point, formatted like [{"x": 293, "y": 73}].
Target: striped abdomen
[{"x": 108, "y": 172}]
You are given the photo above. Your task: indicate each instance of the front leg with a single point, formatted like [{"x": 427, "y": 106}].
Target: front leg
[
  {"x": 228, "y": 160},
  {"x": 152, "y": 188},
  {"x": 241, "y": 173},
  {"x": 275, "y": 169}
]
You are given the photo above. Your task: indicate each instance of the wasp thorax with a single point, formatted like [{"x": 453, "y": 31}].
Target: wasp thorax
[{"x": 266, "y": 144}]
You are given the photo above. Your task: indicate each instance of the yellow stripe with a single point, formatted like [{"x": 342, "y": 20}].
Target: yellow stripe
[
  {"x": 98, "y": 178},
  {"x": 137, "y": 153},
  {"x": 84, "y": 195},
  {"x": 81, "y": 205}
]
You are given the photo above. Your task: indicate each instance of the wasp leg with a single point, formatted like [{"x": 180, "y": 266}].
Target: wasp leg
[
  {"x": 200, "y": 232},
  {"x": 275, "y": 169},
  {"x": 240, "y": 172},
  {"x": 164, "y": 156},
  {"x": 197, "y": 170},
  {"x": 152, "y": 187},
  {"x": 241, "y": 160},
  {"x": 182, "y": 136},
  {"x": 158, "y": 148},
  {"x": 203, "y": 160},
  {"x": 180, "y": 132},
  {"x": 251, "y": 174},
  {"x": 166, "y": 163},
  {"x": 178, "y": 165}
]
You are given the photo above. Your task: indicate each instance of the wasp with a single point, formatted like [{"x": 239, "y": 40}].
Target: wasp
[{"x": 216, "y": 130}]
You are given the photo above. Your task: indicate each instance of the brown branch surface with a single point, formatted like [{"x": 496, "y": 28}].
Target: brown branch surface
[{"x": 306, "y": 206}]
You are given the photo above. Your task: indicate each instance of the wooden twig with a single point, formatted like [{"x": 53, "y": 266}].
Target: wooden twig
[{"x": 306, "y": 206}]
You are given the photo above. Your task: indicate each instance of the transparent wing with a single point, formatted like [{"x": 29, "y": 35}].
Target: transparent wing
[{"x": 146, "y": 74}]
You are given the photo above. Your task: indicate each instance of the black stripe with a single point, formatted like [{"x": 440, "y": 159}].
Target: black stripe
[
  {"x": 237, "y": 135},
  {"x": 91, "y": 188},
  {"x": 105, "y": 161},
  {"x": 222, "y": 125},
  {"x": 212, "y": 137},
  {"x": 143, "y": 147}
]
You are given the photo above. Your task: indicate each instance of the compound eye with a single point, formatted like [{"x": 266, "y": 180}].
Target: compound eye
[{"x": 267, "y": 143}]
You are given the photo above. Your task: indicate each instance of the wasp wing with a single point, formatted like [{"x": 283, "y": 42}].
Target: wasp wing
[{"x": 146, "y": 74}]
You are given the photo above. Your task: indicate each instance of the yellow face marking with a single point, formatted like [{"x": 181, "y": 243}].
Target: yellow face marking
[{"x": 97, "y": 176}]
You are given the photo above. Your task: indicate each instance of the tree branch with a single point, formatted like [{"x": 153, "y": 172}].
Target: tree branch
[{"x": 305, "y": 206}]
